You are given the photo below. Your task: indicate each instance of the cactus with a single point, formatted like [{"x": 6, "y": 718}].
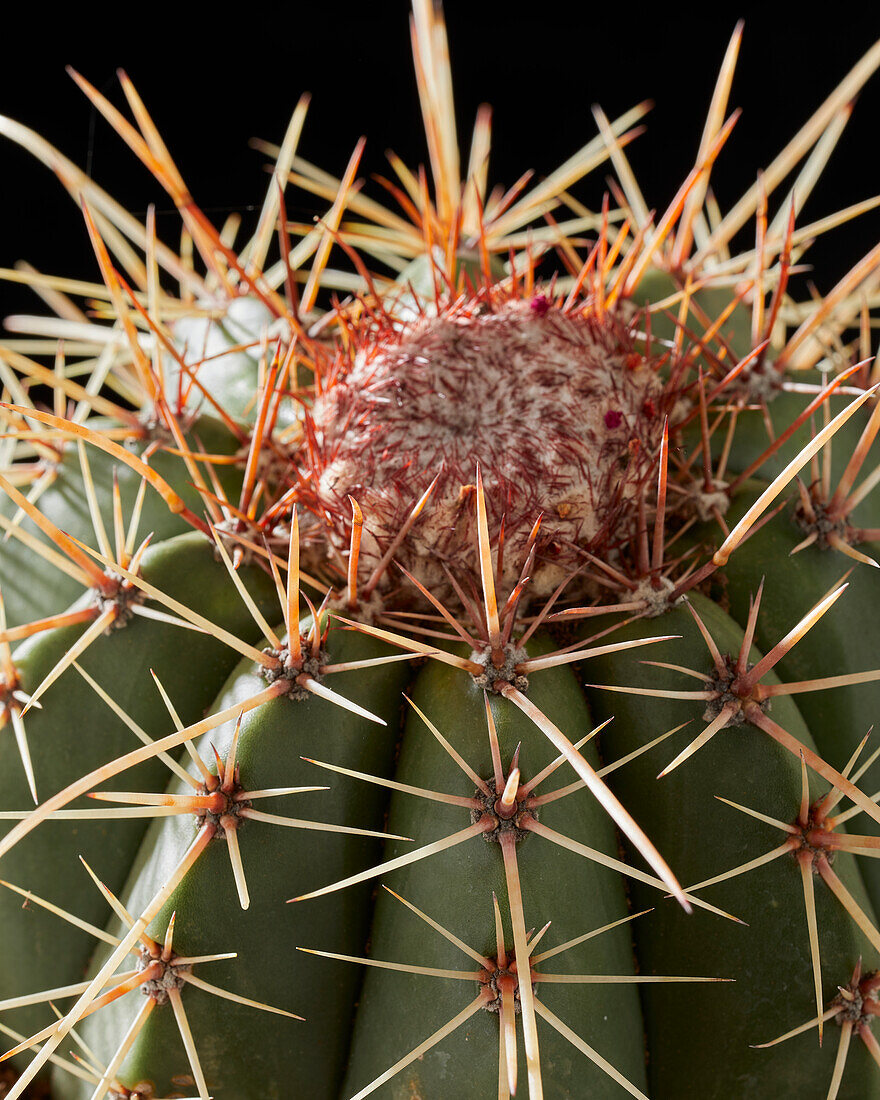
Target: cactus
[{"x": 349, "y": 617}]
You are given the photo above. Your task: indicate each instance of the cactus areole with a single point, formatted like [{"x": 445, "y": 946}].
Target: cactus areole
[
  {"x": 431, "y": 671},
  {"x": 560, "y": 410}
]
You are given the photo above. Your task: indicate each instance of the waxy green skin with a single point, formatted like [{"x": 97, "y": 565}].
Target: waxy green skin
[
  {"x": 706, "y": 305},
  {"x": 751, "y": 437},
  {"x": 305, "y": 1058},
  {"x": 766, "y": 407},
  {"x": 75, "y": 732},
  {"x": 32, "y": 588},
  {"x": 399, "y": 1011},
  {"x": 420, "y": 282},
  {"x": 699, "y": 1038},
  {"x": 246, "y": 1053},
  {"x": 845, "y": 640},
  {"x": 227, "y": 350}
]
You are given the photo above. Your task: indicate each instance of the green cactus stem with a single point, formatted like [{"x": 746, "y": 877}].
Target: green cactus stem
[{"x": 437, "y": 657}]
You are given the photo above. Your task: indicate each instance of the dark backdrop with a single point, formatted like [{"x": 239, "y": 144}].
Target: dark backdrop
[{"x": 212, "y": 84}]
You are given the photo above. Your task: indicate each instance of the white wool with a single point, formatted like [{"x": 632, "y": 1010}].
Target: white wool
[{"x": 556, "y": 409}]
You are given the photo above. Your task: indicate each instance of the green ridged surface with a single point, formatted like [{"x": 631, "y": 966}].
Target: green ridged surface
[
  {"x": 699, "y": 1039},
  {"x": 707, "y": 304},
  {"x": 846, "y": 639},
  {"x": 32, "y": 588},
  {"x": 227, "y": 352},
  {"x": 75, "y": 732},
  {"x": 285, "y": 1058},
  {"x": 399, "y": 1011}
]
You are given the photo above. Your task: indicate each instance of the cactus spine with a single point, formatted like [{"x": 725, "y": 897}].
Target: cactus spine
[{"x": 422, "y": 589}]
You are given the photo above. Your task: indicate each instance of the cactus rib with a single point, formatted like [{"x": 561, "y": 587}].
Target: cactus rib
[{"x": 506, "y": 536}]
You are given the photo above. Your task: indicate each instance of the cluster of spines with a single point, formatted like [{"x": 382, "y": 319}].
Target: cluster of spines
[{"x": 249, "y": 534}]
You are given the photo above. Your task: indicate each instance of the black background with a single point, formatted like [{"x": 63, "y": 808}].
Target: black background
[{"x": 212, "y": 83}]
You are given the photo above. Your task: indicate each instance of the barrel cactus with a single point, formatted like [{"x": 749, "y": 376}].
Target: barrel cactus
[{"x": 373, "y": 636}]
